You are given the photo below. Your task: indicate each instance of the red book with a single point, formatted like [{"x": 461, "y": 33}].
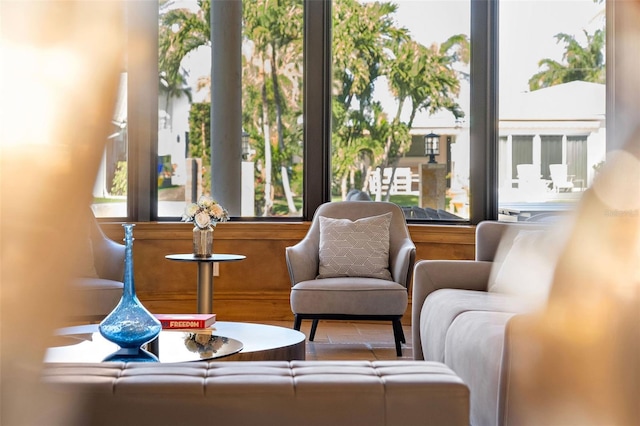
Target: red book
[{"x": 185, "y": 321}]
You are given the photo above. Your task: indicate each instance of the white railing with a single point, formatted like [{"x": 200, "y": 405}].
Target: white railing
[{"x": 402, "y": 181}]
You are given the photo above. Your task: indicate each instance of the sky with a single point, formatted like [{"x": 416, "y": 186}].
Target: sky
[{"x": 527, "y": 29}]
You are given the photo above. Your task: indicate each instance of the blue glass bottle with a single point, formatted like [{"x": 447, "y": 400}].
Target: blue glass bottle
[{"x": 130, "y": 325}]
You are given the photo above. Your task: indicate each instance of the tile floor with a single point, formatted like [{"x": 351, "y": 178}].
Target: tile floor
[{"x": 344, "y": 340}]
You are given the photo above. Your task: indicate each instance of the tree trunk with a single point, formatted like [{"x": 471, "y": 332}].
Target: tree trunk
[
  {"x": 268, "y": 193},
  {"x": 287, "y": 189},
  {"x": 278, "y": 101}
]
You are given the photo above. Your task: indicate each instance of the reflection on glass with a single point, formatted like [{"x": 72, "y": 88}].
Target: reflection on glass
[
  {"x": 552, "y": 104},
  {"x": 400, "y": 73},
  {"x": 110, "y": 188},
  {"x": 131, "y": 355},
  {"x": 204, "y": 343}
]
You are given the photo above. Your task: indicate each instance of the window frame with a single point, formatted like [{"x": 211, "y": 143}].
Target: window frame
[{"x": 142, "y": 203}]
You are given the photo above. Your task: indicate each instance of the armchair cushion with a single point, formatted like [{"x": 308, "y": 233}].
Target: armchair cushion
[
  {"x": 94, "y": 298},
  {"x": 349, "y": 296},
  {"x": 355, "y": 248}
]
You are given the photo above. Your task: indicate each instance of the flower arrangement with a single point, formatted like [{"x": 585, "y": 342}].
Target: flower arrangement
[
  {"x": 206, "y": 212},
  {"x": 203, "y": 343}
]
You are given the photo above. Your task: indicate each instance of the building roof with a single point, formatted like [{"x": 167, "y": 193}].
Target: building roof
[{"x": 577, "y": 100}]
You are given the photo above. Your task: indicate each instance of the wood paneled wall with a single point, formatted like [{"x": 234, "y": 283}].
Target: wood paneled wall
[{"x": 257, "y": 288}]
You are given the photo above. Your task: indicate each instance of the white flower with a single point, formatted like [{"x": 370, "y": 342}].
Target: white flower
[
  {"x": 202, "y": 219},
  {"x": 206, "y": 212},
  {"x": 191, "y": 210},
  {"x": 217, "y": 211},
  {"x": 205, "y": 201}
]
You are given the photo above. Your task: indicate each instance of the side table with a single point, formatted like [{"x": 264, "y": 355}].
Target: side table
[{"x": 205, "y": 275}]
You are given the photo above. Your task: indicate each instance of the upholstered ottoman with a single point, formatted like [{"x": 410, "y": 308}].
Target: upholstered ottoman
[{"x": 279, "y": 393}]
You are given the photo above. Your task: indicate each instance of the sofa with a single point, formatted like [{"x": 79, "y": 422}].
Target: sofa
[
  {"x": 264, "y": 393},
  {"x": 461, "y": 308}
]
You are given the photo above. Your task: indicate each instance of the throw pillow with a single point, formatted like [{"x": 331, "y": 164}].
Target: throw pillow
[
  {"x": 355, "y": 249},
  {"x": 525, "y": 266}
]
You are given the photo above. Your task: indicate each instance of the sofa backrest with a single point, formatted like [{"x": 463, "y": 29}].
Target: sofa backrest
[{"x": 489, "y": 234}]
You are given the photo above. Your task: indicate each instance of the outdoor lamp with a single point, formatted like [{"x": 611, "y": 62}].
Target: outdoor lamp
[
  {"x": 432, "y": 146},
  {"x": 245, "y": 146}
]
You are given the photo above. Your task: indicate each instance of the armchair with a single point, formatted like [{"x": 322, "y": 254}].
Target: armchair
[
  {"x": 347, "y": 296},
  {"x": 98, "y": 285}
]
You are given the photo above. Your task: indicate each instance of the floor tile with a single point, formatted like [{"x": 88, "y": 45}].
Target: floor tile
[{"x": 347, "y": 340}]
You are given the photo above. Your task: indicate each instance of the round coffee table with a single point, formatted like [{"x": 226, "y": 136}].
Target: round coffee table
[{"x": 234, "y": 341}]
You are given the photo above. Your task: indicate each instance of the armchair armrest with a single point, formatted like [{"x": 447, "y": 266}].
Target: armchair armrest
[
  {"x": 109, "y": 258},
  {"x": 401, "y": 265},
  {"x": 431, "y": 275},
  {"x": 302, "y": 261}
]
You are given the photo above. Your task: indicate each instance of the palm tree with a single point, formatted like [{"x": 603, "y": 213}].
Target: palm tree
[
  {"x": 363, "y": 34},
  {"x": 368, "y": 45},
  {"x": 583, "y": 63},
  {"x": 275, "y": 30},
  {"x": 180, "y": 32},
  {"x": 426, "y": 78}
]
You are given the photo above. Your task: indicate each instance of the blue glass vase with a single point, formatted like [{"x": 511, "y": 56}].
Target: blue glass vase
[{"x": 130, "y": 325}]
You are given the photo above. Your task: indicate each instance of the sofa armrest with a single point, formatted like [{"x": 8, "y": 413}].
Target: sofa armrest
[
  {"x": 431, "y": 275},
  {"x": 511, "y": 404},
  {"x": 302, "y": 261},
  {"x": 577, "y": 354}
]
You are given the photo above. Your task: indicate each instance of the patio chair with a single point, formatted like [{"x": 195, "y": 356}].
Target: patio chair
[{"x": 560, "y": 178}]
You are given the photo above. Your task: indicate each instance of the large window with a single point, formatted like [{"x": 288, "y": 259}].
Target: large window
[
  {"x": 401, "y": 105},
  {"x": 271, "y": 141},
  {"x": 397, "y": 100},
  {"x": 552, "y": 104}
]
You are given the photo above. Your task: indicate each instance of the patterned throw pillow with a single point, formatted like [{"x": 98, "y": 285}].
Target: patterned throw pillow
[{"x": 355, "y": 249}]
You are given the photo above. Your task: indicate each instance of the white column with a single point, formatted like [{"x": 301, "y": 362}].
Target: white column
[
  {"x": 226, "y": 103},
  {"x": 248, "y": 189}
]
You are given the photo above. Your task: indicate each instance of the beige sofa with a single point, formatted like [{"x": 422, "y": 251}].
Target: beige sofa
[
  {"x": 460, "y": 313},
  {"x": 277, "y": 393}
]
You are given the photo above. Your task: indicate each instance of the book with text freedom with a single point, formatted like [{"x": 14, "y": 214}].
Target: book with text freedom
[{"x": 186, "y": 321}]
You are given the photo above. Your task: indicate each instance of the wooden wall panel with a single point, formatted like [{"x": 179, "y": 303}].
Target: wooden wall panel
[{"x": 257, "y": 288}]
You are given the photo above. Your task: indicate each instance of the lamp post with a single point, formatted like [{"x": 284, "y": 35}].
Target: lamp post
[
  {"x": 432, "y": 146},
  {"x": 245, "y": 146}
]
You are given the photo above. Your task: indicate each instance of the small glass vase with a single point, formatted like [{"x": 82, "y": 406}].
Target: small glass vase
[
  {"x": 130, "y": 325},
  {"x": 203, "y": 241}
]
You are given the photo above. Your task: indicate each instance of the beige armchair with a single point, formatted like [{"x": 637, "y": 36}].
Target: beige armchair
[
  {"x": 343, "y": 294},
  {"x": 98, "y": 284}
]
